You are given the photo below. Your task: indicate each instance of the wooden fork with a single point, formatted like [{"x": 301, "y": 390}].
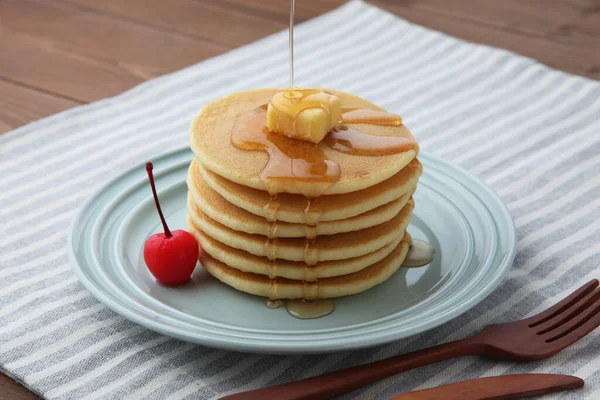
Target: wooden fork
[{"x": 534, "y": 338}]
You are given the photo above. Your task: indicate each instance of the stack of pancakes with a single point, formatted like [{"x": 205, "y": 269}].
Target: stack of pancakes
[{"x": 271, "y": 244}]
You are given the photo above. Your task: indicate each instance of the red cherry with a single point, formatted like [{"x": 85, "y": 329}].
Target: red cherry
[
  {"x": 170, "y": 256},
  {"x": 171, "y": 259}
]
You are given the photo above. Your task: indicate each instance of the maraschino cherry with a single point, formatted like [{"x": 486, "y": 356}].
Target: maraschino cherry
[{"x": 170, "y": 256}]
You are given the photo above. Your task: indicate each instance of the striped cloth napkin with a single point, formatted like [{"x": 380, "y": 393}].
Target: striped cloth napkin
[{"x": 530, "y": 132}]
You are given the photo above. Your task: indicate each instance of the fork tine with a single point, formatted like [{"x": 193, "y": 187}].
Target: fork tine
[
  {"x": 571, "y": 312},
  {"x": 573, "y": 324},
  {"x": 562, "y": 305},
  {"x": 575, "y": 329}
]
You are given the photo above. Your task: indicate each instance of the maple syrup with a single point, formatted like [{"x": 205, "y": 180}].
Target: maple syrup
[
  {"x": 371, "y": 117},
  {"x": 419, "y": 254},
  {"x": 291, "y": 44},
  {"x": 271, "y": 209},
  {"x": 291, "y": 161},
  {"x": 310, "y": 274},
  {"x": 309, "y": 309},
  {"x": 350, "y": 141},
  {"x": 298, "y": 160},
  {"x": 303, "y": 309},
  {"x": 273, "y": 303}
]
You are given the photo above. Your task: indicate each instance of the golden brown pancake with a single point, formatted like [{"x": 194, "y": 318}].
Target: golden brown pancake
[
  {"x": 288, "y": 219},
  {"x": 326, "y": 248},
  {"x": 216, "y": 207},
  {"x": 282, "y": 288},
  {"x": 210, "y": 140},
  {"x": 293, "y": 206},
  {"x": 247, "y": 262}
]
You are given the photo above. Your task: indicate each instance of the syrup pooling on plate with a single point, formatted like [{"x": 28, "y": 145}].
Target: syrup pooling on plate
[
  {"x": 304, "y": 309},
  {"x": 292, "y": 160},
  {"x": 420, "y": 253},
  {"x": 309, "y": 309}
]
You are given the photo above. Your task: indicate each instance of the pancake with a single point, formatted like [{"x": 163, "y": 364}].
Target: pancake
[
  {"x": 282, "y": 288},
  {"x": 210, "y": 140},
  {"x": 247, "y": 262},
  {"x": 323, "y": 248},
  {"x": 217, "y": 208},
  {"x": 292, "y": 206}
]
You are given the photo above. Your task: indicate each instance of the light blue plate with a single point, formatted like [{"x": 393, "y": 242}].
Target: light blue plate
[{"x": 470, "y": 227}]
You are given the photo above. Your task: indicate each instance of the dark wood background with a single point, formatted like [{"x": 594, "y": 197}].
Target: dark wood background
[{"x": 57, "y": 54}]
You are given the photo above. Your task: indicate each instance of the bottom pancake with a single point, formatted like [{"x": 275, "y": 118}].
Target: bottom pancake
[
  {"x": 246, "y": 262},
  {"x": 281, "y": 288}
]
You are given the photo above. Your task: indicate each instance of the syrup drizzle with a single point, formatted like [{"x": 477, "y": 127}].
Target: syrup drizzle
[
  {"x": 350, "y": 141},
  {"x": 273, "y": 303},
  {"x": 271, "y": 209},
  {"x": 291, "y": 44},
  {"x": 371, "y": 117},
  {"x": 291, "y": 161}
]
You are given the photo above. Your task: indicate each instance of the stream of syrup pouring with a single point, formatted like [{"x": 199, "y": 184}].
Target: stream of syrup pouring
[
  {"x": 291, "y": 45},
  {"x": 295, "y": 162}
]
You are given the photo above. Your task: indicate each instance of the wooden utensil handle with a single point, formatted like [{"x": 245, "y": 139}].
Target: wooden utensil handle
[
  {"x": 497, "y": 388},
  {"x": 346, "y": 380}
]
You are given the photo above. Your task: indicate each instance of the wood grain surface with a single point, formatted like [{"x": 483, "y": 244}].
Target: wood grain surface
[{"x": 57, "y": 54}]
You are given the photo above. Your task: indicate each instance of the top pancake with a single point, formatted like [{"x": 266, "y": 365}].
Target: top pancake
[{"x": 210, "y": 140}]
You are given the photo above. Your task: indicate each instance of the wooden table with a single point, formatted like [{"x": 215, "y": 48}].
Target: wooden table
[{"x": 57, "y": 54}]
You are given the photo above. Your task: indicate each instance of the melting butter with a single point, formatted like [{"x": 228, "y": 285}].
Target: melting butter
[
  {"x": 304, "y": 114},
  {"x": 419, "y": 254}
]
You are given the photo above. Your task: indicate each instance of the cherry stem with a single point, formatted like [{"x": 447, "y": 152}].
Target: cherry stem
[{"x": 149, "y": 168}]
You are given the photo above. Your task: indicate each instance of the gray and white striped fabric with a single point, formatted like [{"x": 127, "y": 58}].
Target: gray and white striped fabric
[{"x": 530, "y": 132}]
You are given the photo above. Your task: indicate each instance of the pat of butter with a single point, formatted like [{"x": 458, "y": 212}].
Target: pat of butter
[{"x": 304, "y": 114}]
